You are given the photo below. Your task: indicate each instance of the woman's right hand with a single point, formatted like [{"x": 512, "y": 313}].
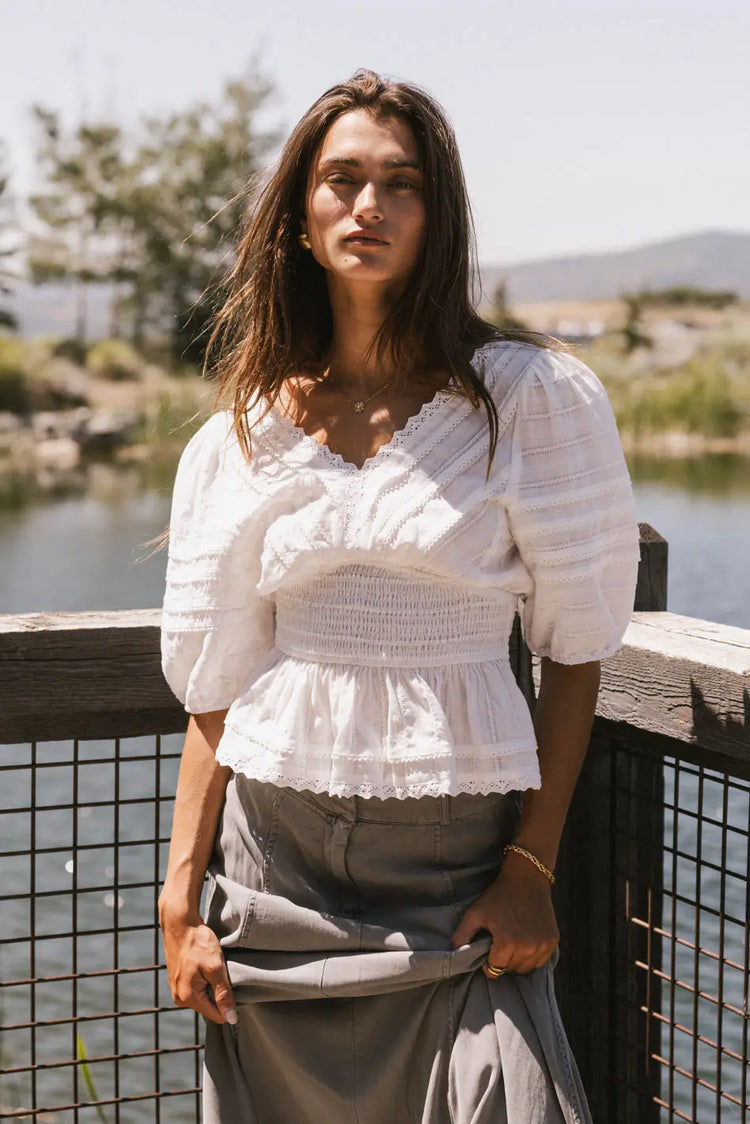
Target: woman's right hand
[{"x": 196, "y": 967}]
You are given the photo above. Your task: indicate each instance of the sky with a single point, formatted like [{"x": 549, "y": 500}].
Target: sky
[{"x": 584, "y": 125}]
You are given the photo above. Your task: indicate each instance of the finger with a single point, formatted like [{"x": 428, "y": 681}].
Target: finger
[
  {"x": 205, "y": 1006},
  {"x": 494, "y": 962},
  {"x": 218, "y": 979},
  {"x": 521, "y": 960},
  {"x": 467, "y": 928},
  {"x": 502, "y": 954},
  {"x": 198, "y": 998}
]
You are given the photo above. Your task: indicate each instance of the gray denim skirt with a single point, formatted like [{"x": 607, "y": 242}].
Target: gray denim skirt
[{"x": 336, "y": 916}]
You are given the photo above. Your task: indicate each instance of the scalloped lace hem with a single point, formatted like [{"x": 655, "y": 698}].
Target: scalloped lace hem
[
  {"x": 440, "y": 783},
  {"x": 476, "y": 786}
]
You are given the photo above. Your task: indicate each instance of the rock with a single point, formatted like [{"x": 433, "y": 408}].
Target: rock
[
  {"x": 104, "y": 430},
  {"x": 9, "y": 424},
  {"x": 59, "y": 453},
  {"x": 50, "y": 424},
  {"x": 59, "y": 383},
  {"x": 93, "y": 430}
]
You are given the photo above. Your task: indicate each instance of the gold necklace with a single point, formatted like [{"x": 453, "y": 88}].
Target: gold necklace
[{"x": 358, "y": 404}]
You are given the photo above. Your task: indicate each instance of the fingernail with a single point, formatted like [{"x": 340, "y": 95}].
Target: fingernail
[{"x": 230, "y": 1014}]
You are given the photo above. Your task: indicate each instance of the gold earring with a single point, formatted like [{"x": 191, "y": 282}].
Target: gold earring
[{"x": 304, "y": 241}]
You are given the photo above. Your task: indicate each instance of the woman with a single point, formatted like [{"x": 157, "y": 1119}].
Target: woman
[{"x": 348, "y": 545}]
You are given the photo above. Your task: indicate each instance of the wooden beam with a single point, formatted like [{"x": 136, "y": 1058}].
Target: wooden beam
[
  {"x": 65, "y": 675},
  {"x": 84, "y": 675},
  {"x": 682, "y": 678}
]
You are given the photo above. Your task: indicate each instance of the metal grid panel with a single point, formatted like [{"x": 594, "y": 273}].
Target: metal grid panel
[
  {"x": 683, "y": 1004},
  {"x": 89, "y": 1029}
]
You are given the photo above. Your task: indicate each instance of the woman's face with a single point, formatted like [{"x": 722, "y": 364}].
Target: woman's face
[{"x": 365, "y": 205}]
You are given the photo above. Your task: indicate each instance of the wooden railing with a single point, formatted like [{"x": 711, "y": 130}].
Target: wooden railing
[{"x": 654, "y": 996}]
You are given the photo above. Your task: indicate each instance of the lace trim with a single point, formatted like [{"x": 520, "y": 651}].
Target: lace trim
[
  {"x": 247, "y": 745},
  {"x": 532, "y": 485},
  {"x": 574, "y": 498},
  {"x": 586, "y": 550},
  {"x": 570, "y": 408},
  {"x": 553, "y": 577},
  {"x": 579, "y": 439},
  {"x": 433, "y": 787},
  {"x": 426, "y": 410}
]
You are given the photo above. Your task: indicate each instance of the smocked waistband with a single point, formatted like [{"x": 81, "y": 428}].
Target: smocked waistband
[{"x": 362, "y": 614}]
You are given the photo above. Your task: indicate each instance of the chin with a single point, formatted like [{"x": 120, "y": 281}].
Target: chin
[{"x": 356, "y": 268}]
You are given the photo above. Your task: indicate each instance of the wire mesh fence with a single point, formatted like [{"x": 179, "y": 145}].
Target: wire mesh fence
[
  {"x": 89, "y": 1029},
  {"x": 682, "y": 942}
]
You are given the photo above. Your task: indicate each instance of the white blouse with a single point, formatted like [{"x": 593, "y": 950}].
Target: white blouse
[{"x": 355, "y": 621}]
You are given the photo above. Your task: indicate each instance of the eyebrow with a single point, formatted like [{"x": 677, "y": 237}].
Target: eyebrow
[{"x": 353, "y": 162}]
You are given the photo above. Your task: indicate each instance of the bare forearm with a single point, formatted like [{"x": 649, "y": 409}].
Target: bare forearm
[
  {"x": 562, "y": 720},
  {"x": 517, "y": 907},
  {"x": 201, "y": 788}
]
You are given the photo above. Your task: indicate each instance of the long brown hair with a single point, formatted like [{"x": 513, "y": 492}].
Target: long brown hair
[{"x": 277, "y": 321}]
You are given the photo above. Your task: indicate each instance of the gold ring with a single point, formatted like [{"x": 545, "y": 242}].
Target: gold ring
[{"x": 494, "y": 971}]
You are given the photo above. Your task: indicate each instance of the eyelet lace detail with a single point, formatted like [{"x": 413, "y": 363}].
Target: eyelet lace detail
[
  {"x": 382, "y": 791},
  {"x": 443, "y": 775},
  {"x": 336, "y": 460}
]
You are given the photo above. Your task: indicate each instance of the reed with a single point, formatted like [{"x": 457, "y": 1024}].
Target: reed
[{"x": 709, "y": 395}]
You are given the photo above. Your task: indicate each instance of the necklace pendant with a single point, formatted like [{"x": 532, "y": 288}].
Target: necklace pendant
[{"x": 359, "y": 407}]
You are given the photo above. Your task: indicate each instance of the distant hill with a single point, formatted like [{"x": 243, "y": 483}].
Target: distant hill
[{"x": 712, "y": 260}]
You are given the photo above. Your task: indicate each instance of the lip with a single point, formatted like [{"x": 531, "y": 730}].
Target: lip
[{"x": 365, "y": 238}]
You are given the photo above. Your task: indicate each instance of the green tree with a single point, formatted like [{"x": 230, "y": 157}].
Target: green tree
[
  {"x": 181, "y": 203},
  {"x": 689, "y": 295},
  {"x": 633, "y": 332},
  {"x": 8, "y": 252},
  {"x": 80, "y": 174},
  {"x": 155, "y": 215},
  {"x": 501, "y": 315}
]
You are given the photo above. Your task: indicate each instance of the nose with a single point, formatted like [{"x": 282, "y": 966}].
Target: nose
[{"x": 366, "y": 205}]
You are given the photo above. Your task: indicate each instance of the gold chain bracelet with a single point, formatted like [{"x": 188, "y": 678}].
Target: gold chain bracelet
[{"x": 532, "y": 858}]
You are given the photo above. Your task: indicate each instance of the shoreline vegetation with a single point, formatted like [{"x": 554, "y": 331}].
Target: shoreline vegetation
[{"x": 683, "y": 393}]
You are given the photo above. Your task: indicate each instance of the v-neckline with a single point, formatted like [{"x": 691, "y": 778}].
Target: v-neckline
[{"x": 399, "y": 435}]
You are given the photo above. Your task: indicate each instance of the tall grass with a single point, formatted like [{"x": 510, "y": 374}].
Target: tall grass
[{"x": 709, "y": 395}]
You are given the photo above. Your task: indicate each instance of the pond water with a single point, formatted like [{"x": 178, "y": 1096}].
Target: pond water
[{"x": 86, "y": 551}]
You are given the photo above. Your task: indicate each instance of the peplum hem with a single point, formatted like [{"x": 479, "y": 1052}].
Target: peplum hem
[
  {"x": 484, "y": 770},
  {"x": 360, "y": 711}
]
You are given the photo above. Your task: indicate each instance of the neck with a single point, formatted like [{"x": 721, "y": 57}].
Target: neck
[{"x": 358, "y": 312}]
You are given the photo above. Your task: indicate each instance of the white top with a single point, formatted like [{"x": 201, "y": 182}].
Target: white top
[{"x": 356, "y": 621}]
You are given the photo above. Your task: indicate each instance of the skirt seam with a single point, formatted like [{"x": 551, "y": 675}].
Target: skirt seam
[
  {"x": 440, "y": 866},
  {"x": 270, "y": 842},
  {"x": 249, "y": 915},
  {"x": 304, "y": 796},
  {"x": 354, "y": 1063},
  {"x": 562, "y": 1049},
  {"x": 451, "y": 1037}
]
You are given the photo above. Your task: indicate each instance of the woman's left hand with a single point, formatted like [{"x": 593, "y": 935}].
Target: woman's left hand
[{"x": 517, "y": 910}]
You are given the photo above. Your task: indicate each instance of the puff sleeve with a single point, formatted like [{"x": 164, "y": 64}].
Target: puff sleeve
[
  {"x": 215, "y": 626},
  {"x": 571, "y": 513}
]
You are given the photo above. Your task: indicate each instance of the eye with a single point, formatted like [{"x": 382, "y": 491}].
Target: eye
[
  {"x": 403, "y": 183},
  {"x": 338, "y": 177}
]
